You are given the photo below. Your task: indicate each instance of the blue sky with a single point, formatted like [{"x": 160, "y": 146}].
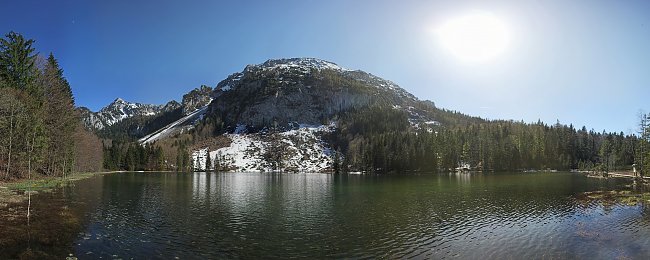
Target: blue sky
[{"x": 580, "y": 62}]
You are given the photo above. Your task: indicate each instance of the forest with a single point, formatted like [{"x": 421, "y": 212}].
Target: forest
[
  {"x": 378, "y": 139},
  {"x": 41, "y": 130},
  {"x": 131, "y": 156}
]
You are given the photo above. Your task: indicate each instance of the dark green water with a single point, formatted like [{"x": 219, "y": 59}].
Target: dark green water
[{"x": 261, "y": 215}]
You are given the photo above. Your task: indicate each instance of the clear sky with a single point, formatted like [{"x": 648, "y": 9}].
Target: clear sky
[{"x": 581, "y": 62}]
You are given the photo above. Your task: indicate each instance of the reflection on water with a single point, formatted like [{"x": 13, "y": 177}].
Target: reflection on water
[
  {"x": 54, "y": 223},
  {"x": 254, "y": 215}
]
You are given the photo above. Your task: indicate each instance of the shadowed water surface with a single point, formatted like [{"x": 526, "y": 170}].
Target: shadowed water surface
[{"x": 257, "y": 215}]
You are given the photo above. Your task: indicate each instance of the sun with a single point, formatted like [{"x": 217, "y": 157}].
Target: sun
[{"x": 475, "y": 37}]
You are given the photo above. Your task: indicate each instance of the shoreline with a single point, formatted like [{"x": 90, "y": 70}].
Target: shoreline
[
  {"x": 613, "y": 174},
  {"x": 17, "y": 191}
]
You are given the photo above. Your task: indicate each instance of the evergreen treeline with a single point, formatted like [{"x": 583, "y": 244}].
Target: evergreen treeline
[
  {"x": 39, "y": 125},
  {"x": 131, "y": 156},
  {"x": 378, "y": 140}
]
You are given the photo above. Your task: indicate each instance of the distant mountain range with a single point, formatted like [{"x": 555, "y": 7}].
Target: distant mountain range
[{"x": 119, "y": 110}]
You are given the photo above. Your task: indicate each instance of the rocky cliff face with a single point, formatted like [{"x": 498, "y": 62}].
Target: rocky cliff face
[
  {"x": 285, "y": 92},
  {"x": 196, "y": 99}
]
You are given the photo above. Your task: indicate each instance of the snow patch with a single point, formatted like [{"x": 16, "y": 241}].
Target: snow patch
[
  {"x": 244, "y": 153},
  {"x": 175, "y": 127},
  {"x": 199, "y": 159},
  {"x": 300, "y": 150},
  {"x": 119, "y": 110},
  {"x": 304, "y": 64}
]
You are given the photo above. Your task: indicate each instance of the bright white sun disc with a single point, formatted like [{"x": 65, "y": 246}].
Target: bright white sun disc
[{"x": 476, "y": 37}]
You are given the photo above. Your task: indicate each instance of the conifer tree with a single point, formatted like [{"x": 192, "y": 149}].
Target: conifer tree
[
  {"x": 60, "y": 118},
  {"x": 17, "y": 62},
  {"x": 208, "y": 162}
]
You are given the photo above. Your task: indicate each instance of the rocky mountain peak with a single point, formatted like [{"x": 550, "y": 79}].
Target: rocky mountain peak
[
  {"x": 171, "y": 105},
  {"x": 119, "y": 110},
  {"x": 280, "y": 69},
  {"x": 196, "y": 99},
  {"x": 303, "y": 91},
  {"x": 310, "y": 63}
]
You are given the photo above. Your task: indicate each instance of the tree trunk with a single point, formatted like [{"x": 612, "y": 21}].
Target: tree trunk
[
  {"x": 31, "y": 151},
  {"x": 11, "y": 131},
  {"x": 29, "y": 175},
  {"x": 63, "y": 172}
]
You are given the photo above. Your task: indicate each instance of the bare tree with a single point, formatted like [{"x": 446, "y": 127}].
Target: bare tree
[
  {"x": 12, "y": 112},
  {"x": 11, "y": 135},
  {"x": 88, "y": 152}
]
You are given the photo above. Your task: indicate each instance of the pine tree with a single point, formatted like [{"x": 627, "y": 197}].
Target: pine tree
[
  {"x": 160, "y": 158},
  {"x": 22, "y": 111},
  {"x": 187, "y": 161},
  {"x": 337, "y": 163},
  {"x": 131, "y": 158},
  {"x": 17, "y": 62},
  {"x": 179, "y": 161},
  {"x": 183, "y": 162},
  {"x": 208, "y": 162},
  {"x": 644, "y": 138},
  {"x": 215, "y": 164},
  {"x": 60, "y": 118}
]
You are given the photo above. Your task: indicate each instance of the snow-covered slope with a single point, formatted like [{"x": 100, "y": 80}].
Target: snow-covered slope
[
  {"x": 178, "y": 126},
  {"x": 298, "y": 150}
]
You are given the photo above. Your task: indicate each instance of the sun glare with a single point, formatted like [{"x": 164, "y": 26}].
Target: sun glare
[{"x": 475, "y": 37}]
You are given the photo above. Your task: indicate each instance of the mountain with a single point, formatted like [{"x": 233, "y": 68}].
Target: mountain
[
  {"x": 311, "y": 115},
  {"x": 286, "y": 92},
  {"x": 281, "y": 114},
  {"x": 196, "y": 99},
  {"x": 295, "y": 114},
  {"x": 124, "y": 120},
  {"x": 119, "y": 110}
]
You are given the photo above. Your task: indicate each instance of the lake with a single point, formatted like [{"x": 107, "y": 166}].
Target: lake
[{"x": 265, "y": 215}]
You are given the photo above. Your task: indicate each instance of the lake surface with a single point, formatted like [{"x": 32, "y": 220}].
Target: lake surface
[{"x": 263, "y": 215}]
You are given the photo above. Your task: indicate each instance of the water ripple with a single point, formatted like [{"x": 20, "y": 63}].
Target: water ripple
[{"x": 252, "y": 215}]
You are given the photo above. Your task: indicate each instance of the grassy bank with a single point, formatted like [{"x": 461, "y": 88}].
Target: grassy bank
[{"x": 16, "y": 191}]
